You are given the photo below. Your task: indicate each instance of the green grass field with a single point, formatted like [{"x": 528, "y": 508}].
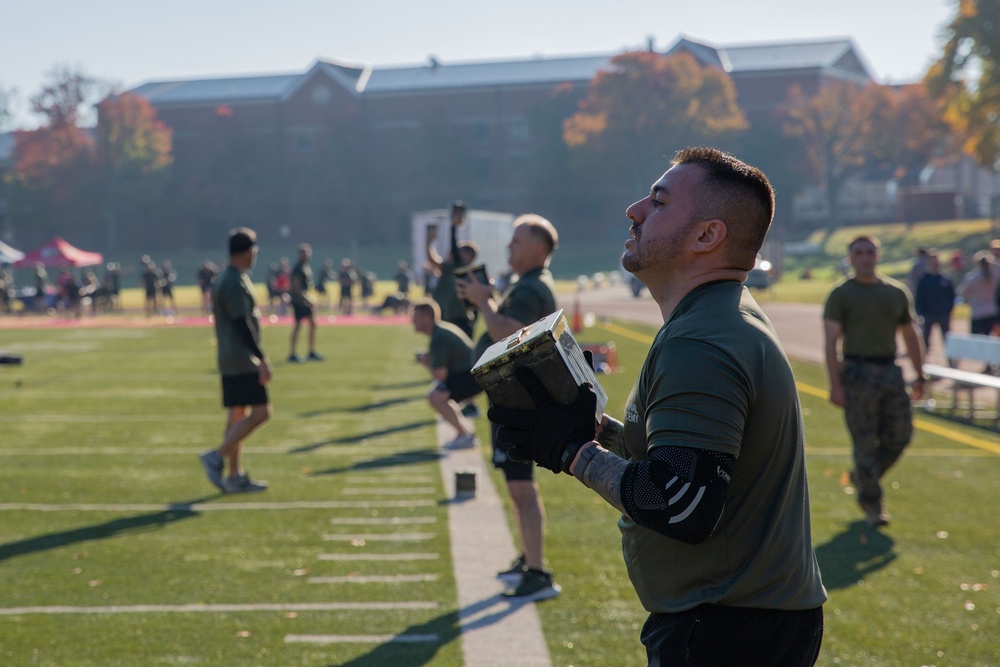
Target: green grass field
[{"x": 104, "y": 507}]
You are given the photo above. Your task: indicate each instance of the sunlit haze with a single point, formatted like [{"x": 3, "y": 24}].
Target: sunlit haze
[{"x": 128, "y": 42}]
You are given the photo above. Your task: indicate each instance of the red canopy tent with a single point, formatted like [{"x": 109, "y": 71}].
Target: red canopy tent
[{"x": 58, "y": 252}]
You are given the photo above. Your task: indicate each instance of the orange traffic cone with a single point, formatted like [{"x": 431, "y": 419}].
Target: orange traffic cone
[{"x": 577, "y": 320}]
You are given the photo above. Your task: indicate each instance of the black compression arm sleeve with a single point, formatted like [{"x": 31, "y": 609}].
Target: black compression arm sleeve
[
  {"x": 679, "y": 492},
  {"x": 242, "y": 325}
]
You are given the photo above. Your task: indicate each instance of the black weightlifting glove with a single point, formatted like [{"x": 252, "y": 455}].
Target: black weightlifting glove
[{"x": 551, "y": 434}]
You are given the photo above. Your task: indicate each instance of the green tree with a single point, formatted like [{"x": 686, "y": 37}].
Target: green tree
[
  {"x": 645, "y": 107},
  {"x": 967, "y": 78}
]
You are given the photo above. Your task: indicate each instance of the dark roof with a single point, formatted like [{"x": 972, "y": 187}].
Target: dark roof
[
  {"x": 218, "y": 90},
  {"x": 769, "y": 57},
  {"x": 829, "y": 54},
  {"x": 436, "y": 75}
]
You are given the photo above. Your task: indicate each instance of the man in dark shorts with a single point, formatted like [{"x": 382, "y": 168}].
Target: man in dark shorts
[
  {"x": 449, "y": 359},
  {"x": 526, "y": 301},
  {"x": 244, "y": 368},
  {"x": 347, "y": 276},
  {"x": 150, "y": 280},
  {"x": 708, "y": 469},
  {"x": 206, "y": 279},
  {"x": 302, "y": 305},
  {"x": 167, "y": 279}
]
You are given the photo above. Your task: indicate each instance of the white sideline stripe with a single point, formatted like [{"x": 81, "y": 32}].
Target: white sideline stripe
[
  {"x": 388, "y": 479},
  {"x": 44, "y": 420},
  {"x": 381, "y": 521},
  {"x": 210, "y": 507},
  {"x": 391, "y": 537},
  {"x": 219, "y": 608},
  {"x": 374, "y": 579},
  {"x": 377, "y": 557},
  {"x": 358, "y": 639},
  {"x": 388, "y": 491}
]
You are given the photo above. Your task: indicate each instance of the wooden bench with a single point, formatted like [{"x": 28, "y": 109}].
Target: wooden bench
[{"x": 975, "y": 348}]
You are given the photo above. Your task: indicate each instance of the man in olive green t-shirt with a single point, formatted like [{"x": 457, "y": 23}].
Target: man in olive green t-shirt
[
  {"x": 526, "y": 301},
  {"x": 244, "y": 368},
  {"x": 708, "y": 469},
  {"x": 865, "y": 312},
  {"x": 449, "y": 359}
]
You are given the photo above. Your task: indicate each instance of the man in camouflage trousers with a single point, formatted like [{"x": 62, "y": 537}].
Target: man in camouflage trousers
[{"x": 866, "y": 311}]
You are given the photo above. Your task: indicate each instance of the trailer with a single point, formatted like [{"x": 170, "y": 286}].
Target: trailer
[{"x": 491, "y": 230}]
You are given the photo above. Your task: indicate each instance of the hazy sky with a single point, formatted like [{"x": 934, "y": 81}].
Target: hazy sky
[{"x": 132, "y": 41}]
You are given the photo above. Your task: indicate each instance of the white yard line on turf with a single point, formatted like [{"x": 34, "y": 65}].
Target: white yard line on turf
[
  {"x": 359, "y": 639},
  {"x": 219, "y": 608},
  {"x": 213, "y": 507}
]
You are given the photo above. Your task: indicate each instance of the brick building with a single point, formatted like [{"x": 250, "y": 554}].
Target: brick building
[{"x": 345, "y": 152}]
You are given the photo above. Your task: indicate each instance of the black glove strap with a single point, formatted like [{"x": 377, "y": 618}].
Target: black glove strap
[
  {"x": 568, "y": 455},
  {"x": 585, "y": 458}
]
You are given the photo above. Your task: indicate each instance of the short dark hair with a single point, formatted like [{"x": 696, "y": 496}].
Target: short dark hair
[
  {"x": 740, "y": 196},
  {"x": 428, "y": 308},
  {"x": 241, "y": 239},
  {"x": 864, "y": 238},
  {"x": 470, "y": 249}
]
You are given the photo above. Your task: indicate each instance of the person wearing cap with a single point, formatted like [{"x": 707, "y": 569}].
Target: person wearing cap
[
  {"x": 244, "y": 367},
  {"x": 864, "y": 313},
  {"x": 979, "y": 288}
]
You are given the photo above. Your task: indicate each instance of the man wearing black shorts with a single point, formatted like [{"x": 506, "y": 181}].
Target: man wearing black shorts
[
  {"x": 449, "y": 359},
  {"x": 708, "y": 469},
  {"x": 302, "y": 304},
  {"x": 244, "y": 368},
  {"x": 526, "y": 301}
]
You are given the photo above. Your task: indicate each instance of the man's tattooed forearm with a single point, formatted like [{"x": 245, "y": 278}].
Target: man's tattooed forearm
[{"x": 604, "y": 475}]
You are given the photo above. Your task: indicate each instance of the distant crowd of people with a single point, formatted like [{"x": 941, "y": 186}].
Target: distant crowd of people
[{"x": 937, "y": 290}]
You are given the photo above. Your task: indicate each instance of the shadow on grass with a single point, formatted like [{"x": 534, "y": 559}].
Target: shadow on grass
[
  {"x": 419, "y": 644},
  {"x": 853, "y": 554},
  {"x": 352, "y": 439},
  {"x": 388, "y": 403},
  {"x": 398, "y": 459},
  {"x": 100, "y": 531},
  {"x": 403, "y": 385}
]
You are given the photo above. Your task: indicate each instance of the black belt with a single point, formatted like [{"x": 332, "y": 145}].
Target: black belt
[{"x": 884, "y": 360}]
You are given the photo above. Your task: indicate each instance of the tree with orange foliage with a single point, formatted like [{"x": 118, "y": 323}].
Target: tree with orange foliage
[
  {"x": 645, "y": 107},
  {"x": 133, "y": 145},
  {"x": 967, "y": 78},
  {"x": 847, "y": 128},
  {"x": 51, "y": 180}
]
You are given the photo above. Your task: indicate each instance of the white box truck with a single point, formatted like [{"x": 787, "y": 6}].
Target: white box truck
[{"x": 491, "y": 230}]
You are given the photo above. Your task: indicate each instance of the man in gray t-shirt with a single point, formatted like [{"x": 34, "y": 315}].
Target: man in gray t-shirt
[
  {"x": 708, "y": 469},
  {"x": 244, "y": 368}
]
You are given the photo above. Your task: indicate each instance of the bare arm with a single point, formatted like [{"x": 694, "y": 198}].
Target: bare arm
[
  {"x": 433, "y": 258},
  {"x": 915, "y": 352},
  {"x": 440, "y": 373},
  {"x": 833, "y": 331},
  {"x": 481, "y": 295}
]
